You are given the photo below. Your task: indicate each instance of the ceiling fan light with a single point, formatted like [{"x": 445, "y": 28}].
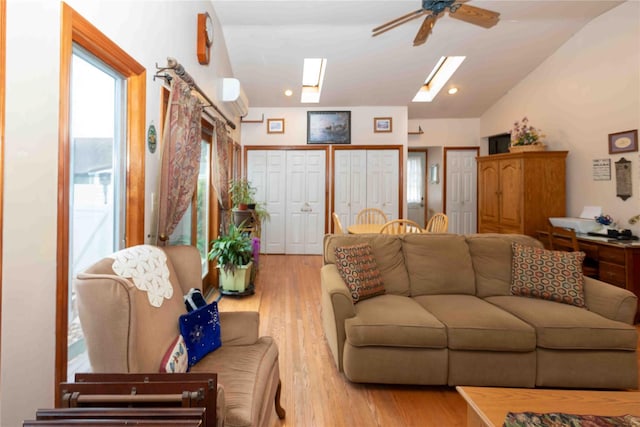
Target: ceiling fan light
[{"x": 438, "y": 77}]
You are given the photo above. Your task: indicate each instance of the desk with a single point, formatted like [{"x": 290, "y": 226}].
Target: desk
[
  {"x": 488, "y": 407},
  {"x": 364, "y": 228},
  {"x": 618, "y": 262}
]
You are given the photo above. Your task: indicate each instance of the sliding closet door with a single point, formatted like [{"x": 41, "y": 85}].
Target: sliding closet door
[
  {"x": 383, "y": 179},
  {"x": 350, "y": 180},
  {"x": 305, "y": 210}
]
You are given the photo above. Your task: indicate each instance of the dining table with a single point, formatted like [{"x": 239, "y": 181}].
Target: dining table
[{"x": 364, "y": 228}]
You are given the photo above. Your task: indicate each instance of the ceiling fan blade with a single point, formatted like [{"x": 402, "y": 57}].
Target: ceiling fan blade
[
  {"x": 398, "y": 21},
  {"x": 476, "y": 15},
  {"x": 425, "y": 30}
]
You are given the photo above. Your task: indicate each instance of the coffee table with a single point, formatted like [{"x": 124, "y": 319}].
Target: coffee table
[{"x": 488, "y": 406}]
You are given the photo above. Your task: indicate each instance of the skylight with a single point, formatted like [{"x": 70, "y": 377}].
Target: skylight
[
  {"x": 439, "y": 76},
  {"x": 312, "y": 78}
]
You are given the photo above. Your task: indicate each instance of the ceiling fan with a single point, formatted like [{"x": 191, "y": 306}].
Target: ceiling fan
[{"x": 434, "y": 9}]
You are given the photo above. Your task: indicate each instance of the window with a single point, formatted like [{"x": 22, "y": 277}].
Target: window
[
  {"x": 415, "y": 179},
  {"x": 86, "y": 183}
]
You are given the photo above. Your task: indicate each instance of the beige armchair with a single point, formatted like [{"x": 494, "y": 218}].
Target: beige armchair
[{"x": 130, "y": 323}]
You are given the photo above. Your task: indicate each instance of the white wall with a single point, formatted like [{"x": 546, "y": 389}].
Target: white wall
[
  {"x": 149, "y": 31},
  {"x": 589, "y": 88}
]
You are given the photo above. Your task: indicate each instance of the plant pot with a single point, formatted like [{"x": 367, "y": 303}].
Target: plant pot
[
  {"x": 243, "y": 206},
  {"x": 237, "y": 281},
  {"x": 251, "y": 206},
  {"x": 531, "y": 147}
]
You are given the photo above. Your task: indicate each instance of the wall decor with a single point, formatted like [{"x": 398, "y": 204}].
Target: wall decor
[
  {"x": 328, "y": 127},
  {"x": 602, "y": 169},
  {"x": 275, "y": 125},
  {"x": 382, "y": 124},
  {"x": 623, "y": 142},
  {"x": 152, "y": 138},
  {"x": 623, "y": 178}
]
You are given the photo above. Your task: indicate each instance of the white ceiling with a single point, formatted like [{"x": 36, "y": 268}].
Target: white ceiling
[{"x": 267, "y": 41}]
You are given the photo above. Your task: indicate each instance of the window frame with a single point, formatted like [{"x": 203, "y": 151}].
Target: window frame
[{"x": 76, "y": 29}]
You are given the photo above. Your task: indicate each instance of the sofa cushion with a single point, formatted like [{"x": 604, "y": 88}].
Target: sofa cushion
[
  {"x": 359, "y": 270},
  {"x": 551, "y": 275},
  {"x": 491, "y": 255},
  {"x": 567, "y": 327},
  {"x": 438, "y": 264},
  {"x": 394, "y": 321},
  {"x": 201, "y": 331},
  {"x": 474, "y": 324},
  {"x": 386, "y": 249},
  {"x": 176, "y": 359}
]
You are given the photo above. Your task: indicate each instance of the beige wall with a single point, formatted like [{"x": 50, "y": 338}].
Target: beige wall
[
  {"x": 144, "y": 30},
  {"x": 589, "y": 88}
]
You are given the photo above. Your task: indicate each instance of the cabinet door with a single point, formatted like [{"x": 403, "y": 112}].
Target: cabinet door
[
  {"x": 488, "y": 195},
  {"x": 511, "y": 193}
]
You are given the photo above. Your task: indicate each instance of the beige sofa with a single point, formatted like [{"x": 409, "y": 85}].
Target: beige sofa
[
  {"x": 448, "y": 318},
  {"x": 125, "y": 333}
]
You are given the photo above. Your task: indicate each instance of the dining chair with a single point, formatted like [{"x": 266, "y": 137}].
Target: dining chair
[
  {"x": 565, "y": 239},
  {"x": 439, "y": 223},
  {"x": 371, "y": 216},
  {"x": 401, "y": 226},
  {"x": 337, "y": 225}
]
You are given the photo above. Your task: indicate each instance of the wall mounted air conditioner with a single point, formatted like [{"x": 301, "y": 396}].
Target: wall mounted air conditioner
[{"x": 234, "y": 97}]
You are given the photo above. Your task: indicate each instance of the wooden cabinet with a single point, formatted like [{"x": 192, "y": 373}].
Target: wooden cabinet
[{"x": 518, "y": 192}]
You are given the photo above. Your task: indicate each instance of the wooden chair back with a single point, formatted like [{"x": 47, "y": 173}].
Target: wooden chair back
[
  {"x": 337, "y": 225},
  {"x": 371, "y": 216},
  {"x": 565, "y": 239},
  {"x": 401, "y": 226},
  {"x": 439, "y": 223}
]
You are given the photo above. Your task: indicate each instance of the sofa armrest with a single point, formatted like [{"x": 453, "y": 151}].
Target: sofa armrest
[
  {"x": 610, "y": 301},
  {"x": 337, "y": 306},
  {"x": 239, "y": 327}
]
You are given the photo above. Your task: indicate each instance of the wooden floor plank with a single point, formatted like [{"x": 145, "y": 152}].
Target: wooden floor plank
[{"x": 314, "y": 393}]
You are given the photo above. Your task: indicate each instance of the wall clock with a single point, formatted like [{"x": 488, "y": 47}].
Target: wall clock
[{"x": 205, "y": 38}]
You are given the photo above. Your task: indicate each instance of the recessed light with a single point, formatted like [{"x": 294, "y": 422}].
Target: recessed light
[
  {"x": 288, "y": 92},
  {"x": 453, "y": 90}
]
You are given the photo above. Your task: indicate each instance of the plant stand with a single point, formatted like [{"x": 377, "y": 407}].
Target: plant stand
[{"x": 250, "y": 290}]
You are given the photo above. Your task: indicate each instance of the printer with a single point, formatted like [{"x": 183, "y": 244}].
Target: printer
[{"x": 585, "y": 223}]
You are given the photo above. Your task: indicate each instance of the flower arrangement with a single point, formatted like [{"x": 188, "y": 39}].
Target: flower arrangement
[
  {"x": 604, "y": 219},
  {"x": 524, "y": 134}
]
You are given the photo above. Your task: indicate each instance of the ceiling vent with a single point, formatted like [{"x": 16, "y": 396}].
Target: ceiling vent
[{"x": 234, "y": 97}]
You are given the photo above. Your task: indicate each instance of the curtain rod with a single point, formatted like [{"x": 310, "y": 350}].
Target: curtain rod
[{"x": 173, "y": 64}]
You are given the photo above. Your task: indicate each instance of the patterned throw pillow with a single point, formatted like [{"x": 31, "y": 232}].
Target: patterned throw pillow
[
  {"x": 176, "y": 358},
  {"x": 551, "y": 275},
  {"x": 359, "y": 270},
  {"x": 201, "y": 331}
]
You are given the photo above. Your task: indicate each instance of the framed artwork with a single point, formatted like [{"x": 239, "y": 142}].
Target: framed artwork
[
  {"x": 275, "y": 125},
  {"x": 382, "y": 124},
  {"x": 328, "y": 127},
  {"x": 623, "y": 142}
]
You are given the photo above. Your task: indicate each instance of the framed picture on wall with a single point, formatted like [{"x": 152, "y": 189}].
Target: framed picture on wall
[
  {"x": 623, "y": 142},
  {"x": 382, "y": 124},
  {"x": 275, "y": 125},
  {"x": 328, "y": 127}
]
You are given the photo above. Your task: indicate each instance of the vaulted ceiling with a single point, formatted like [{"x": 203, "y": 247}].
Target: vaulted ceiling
[{"x": 267, "y": 41}]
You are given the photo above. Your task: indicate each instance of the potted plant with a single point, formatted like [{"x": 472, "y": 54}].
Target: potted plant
[
  {"x": 525, "y": 137},
  {"x": 242, "y": 196},
  {"x": 234, "y": 254}
]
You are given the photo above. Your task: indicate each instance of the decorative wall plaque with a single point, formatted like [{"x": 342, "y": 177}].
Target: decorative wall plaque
[
  {"x": 602, "y": 169},
  {"x": 623, "y": 178}
]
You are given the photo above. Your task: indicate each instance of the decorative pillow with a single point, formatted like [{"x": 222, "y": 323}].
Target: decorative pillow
[
  {"x": 201, "y": 331},
  {"x": 551, "y": 275},
  {"x": 359, "y": 270},
  {"x": 176, "y": 357}
]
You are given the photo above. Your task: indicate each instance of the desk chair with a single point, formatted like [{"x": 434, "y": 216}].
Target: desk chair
[{"x": 565, "y": 239}]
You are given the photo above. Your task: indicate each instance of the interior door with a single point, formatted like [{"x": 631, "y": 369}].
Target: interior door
[
  {"x": 461, "y": 181},
  {"x": 350, "y": 184},
  {"x": 305, "y": 201},
  {"x": 382, "y": 181},
  {"x": 416, "y": 186}
]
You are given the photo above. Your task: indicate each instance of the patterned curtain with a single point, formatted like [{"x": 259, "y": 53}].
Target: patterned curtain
[
  {"x": 180, "y": 157},
  {"x": 220, "y": 170}
]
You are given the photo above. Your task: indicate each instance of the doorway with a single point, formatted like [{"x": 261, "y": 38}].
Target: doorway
[
  {"x": 417, "y": 186},
  {"x": 461, "y": 189}
]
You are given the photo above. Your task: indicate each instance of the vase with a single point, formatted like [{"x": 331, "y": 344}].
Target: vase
[{"x": 531, "y": 147}]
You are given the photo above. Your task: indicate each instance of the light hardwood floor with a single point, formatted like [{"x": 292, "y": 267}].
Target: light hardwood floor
[{"x": 314, "y": 393}]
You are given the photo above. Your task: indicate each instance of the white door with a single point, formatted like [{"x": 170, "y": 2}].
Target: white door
[
  {"x": 350, "y": 184},
  {"x": 461, "y": 190},
  {"x": 383, "y": 181},
  {"x": 416, "y": 164},
  {"x": 305, "y": 201},
  {"x": 266, "y": 171}
]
